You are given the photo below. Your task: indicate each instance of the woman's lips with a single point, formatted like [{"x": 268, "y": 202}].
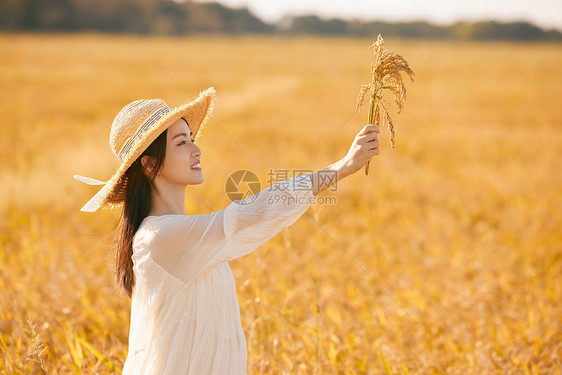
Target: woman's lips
[{"x": 196, "y": 166}]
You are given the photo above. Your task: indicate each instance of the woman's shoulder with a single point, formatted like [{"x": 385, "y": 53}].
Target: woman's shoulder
[
  {"x": 174, "y": 219},
  {"x": 162, "y": 219},
  {"x": 170, "y": 224}
]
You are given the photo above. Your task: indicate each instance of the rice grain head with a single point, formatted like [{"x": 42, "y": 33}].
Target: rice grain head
[{"x": 386, "y": 76}]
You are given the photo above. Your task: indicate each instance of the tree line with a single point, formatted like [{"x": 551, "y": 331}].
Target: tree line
[{"x": 169, "y": 17}]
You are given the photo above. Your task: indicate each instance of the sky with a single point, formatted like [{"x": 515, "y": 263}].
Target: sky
[{"x": 544, "y": 13}]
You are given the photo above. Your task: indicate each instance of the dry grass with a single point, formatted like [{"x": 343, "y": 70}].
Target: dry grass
[{"x": 460, "y": 223}]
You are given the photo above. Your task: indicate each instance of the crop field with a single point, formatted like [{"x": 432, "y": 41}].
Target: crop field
[{"x": 445, "y": 259}]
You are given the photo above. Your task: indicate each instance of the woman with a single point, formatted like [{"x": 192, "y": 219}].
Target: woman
[{"x": 185, "y": 317}]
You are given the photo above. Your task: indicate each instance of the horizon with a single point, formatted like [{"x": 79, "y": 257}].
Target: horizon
[{"x": 546, "y": 14}]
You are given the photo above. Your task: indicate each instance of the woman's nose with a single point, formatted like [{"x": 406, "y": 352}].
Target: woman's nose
[{"x": 197, "y": 150}]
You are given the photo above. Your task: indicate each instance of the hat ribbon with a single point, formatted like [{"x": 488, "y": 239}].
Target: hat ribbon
[
  {"x": 90, "y": 181},
  {"x": 139, "y": 133}
]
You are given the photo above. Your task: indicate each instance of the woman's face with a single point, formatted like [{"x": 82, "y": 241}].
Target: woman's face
[{"x": 181, "y": 154}]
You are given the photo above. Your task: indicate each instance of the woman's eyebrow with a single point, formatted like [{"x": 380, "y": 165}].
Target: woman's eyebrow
[{"x": 182, "y": 134}]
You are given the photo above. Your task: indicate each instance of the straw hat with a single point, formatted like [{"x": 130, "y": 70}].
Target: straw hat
[{"x": 134, "y": 128}]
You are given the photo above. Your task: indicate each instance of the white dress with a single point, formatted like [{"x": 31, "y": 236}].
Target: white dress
[{"x": 185, "y": 317}]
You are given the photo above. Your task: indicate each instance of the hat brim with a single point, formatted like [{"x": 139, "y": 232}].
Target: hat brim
[{"x": 196, "y": 113}]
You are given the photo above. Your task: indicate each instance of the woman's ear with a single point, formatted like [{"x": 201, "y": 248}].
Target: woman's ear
[{"x": 147, "y": 163}]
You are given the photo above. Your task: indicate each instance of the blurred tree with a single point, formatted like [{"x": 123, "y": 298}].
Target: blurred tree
[
  {"x": 511, "y": 31},
  {"x": 171, "y": 18},
  {"x": 416, "y": 29},
  {"x": 316, "y": 25},
  {"x": 237, "y": 21}
]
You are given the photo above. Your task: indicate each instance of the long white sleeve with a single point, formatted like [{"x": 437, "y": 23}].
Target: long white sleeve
[{"x": 255, "y": 220}]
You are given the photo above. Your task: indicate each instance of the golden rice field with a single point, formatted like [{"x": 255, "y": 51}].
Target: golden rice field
[{"x": 460, "y": 223}]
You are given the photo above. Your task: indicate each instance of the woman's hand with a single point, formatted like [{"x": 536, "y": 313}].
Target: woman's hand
[{"x": 364, "y": 147}]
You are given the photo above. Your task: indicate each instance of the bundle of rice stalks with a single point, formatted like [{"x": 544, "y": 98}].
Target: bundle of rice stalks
[{"x": 385, "y": 76}]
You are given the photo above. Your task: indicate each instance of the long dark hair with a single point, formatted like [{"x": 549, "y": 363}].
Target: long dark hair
[{"x": 136, "y": 207}]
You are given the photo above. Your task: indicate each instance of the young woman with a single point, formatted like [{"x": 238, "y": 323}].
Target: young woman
[{"x": 185, "y": 317}]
